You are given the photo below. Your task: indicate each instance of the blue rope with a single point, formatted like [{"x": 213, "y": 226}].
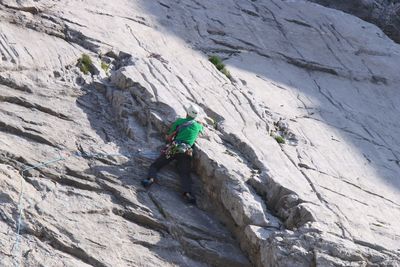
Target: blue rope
[
  {"x": 20, "y": 205},
  {"x": 16, "y": 245},
  {"x": 105, "y": 155}
]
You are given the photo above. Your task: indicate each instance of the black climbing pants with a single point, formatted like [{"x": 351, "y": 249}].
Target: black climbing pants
[{"x": 183, "y": 165}]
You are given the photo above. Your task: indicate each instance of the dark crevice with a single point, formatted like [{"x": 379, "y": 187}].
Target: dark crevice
[
  {"x": 47, "y": 236},
  {"x": 72, "y": 22},
  {"x": 164, "y": 5},
  {"x": 22, "y": 134},
  {"x": 141, "y": 219},
  {"x": 73, "y": 182},
  {"x": 31, "y": 9},
  {"x": 249, "y": 12},
  {"x": 343, "y": 195},
  {"x": 25, "y": 103},
  {"x": 323, "y": 201},
  {"x": 298, "y": 22},
  {"x": 74, "y": 36},
  {"x": 309, "y": 65},
  {"x": 12, "y": 84}
]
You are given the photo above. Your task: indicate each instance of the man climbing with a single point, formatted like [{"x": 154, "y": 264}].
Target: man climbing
[{"x": 181, "y": 137}]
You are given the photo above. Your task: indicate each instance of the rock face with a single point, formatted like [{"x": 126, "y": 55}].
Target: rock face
[
  {"x": 322, "y": 83},
  {"x": 383, "y": 13}
]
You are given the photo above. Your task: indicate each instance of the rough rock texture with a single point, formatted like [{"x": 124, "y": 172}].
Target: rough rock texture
[
  {"x": 325, "y": 81},
  {"x": 384, "y": 13}
]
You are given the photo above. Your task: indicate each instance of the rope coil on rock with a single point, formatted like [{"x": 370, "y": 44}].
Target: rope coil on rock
[{"x": 16, "y": 247}]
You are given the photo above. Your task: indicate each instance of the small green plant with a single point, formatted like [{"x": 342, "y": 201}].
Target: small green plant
[
  {"x": 215, "y": 124},
  {"x": 227, "y": 73},
  {"x": 217, "y": 61},
  {"x": 279, "y": 139},
  {"x": 105, "y": 66},
  {"x": 85, "y": 61}
]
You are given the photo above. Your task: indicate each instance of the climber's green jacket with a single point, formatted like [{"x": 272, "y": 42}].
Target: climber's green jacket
[{"x": 186, "y": 134}]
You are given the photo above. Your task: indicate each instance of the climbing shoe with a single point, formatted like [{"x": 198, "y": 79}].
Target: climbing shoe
[
  {"x": 148, "y": 182},
  {"x": 189, "y": 198}
]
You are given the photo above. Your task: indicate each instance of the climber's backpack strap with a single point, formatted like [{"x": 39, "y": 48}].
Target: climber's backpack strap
[{"x": 172, "y": 136}]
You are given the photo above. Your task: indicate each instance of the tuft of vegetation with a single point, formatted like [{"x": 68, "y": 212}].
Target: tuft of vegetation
[
  {"x": 105, "y": 66},
  {"x": 217, "y": 61},
  {"x": 215, "y": 124},
  {"x": 227, "y": 73},
  {"x": 84, "y": 63},
  {"x": 280, "y": 139}
]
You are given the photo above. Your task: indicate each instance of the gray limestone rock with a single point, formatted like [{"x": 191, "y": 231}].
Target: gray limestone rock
[
  {"x": 384, "y": 13},
  {"x": 325, "y": 81}
]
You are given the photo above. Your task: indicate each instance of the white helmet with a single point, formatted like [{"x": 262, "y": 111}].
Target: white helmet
[{"x": 193, "y": 111}]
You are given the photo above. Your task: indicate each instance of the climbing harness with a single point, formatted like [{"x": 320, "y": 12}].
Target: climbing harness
[
  {"x": 16, "y": 246},
  {"x": 177, "y": 147}
]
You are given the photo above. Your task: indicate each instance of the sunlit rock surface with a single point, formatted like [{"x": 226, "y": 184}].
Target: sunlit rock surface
[{"x": 323, "y": 80}]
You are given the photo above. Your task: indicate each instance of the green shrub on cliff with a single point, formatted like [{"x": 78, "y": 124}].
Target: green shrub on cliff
[
  {"x": 105, "y": 66},
  {"x": 280, "y": 139},
  {"x": 217, "y": 61},
  {"x": 84, "y": 63}
]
